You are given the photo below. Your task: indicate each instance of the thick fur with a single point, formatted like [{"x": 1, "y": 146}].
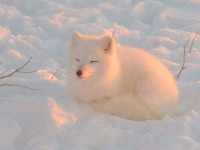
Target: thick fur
[{"x": 122, "y": 81}]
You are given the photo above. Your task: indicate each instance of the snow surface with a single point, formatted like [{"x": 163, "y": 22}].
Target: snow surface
[{"x": 49, "y": 119}]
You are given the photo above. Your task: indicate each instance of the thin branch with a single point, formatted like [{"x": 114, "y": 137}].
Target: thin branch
[
  {"x": 16, "y": 85},
  {"x": 183, "y": 65},
  {"x": 17, "y": 70},
  {"x": 3, "y": 72},
  {"x": 27, "y": 71},
  {"x": 193, "y": 41},
  {"x": 60, "y": 66},
  {"x": 113, "y": 33}
]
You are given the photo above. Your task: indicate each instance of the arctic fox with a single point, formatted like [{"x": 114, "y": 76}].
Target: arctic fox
[{"x": 123, "y": 81}]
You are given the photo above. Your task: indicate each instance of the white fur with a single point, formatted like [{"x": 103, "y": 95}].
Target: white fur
[{"x": 127, "y": 82}]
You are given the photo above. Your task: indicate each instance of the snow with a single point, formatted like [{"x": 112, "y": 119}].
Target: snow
[{"x": 49, "y": 119}]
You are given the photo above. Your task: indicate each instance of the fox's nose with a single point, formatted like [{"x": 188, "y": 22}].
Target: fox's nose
[{"x": 79, "y": 73}]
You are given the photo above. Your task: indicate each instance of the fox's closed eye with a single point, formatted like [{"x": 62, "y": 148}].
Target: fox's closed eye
[
  {"x": 94, "y": 61},
  {"x": 77, "y": 59}
]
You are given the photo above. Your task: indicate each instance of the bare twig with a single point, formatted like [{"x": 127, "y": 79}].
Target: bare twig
[
  {"x": 113, "y": 33},
  {"x": 3, "y": 72},
  {"x": 16, "y": 85},
  {"x": 193, "y": 41},
  {"x": 17, "y": 70},
  {"x": 27, "y": 71},
  {"x": 183, "y": 65},
  {"x": 60, "y": 66}
]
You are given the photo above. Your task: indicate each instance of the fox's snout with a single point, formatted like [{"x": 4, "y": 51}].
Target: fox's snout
[{"x": 85, "y": 72}]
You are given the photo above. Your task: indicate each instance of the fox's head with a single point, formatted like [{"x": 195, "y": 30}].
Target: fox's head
[{"x": 90, "y": 57}]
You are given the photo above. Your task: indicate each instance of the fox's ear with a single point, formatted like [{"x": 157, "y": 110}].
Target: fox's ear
[
  {"x": 76, "y": 37},
  {"x": 106, "y": 44}
]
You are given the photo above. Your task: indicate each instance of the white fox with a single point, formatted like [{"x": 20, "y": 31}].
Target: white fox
[{"x": 123, "y": 81}]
